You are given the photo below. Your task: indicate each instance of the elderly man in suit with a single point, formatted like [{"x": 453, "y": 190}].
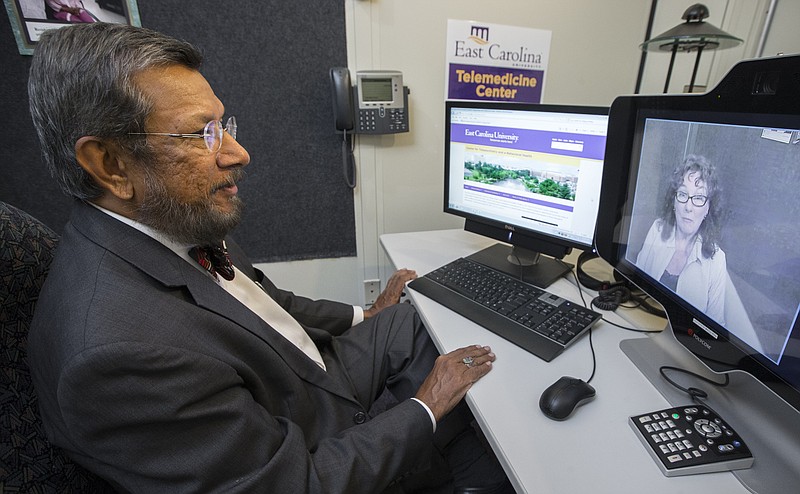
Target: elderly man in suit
[{"x": 164, "y": 361}]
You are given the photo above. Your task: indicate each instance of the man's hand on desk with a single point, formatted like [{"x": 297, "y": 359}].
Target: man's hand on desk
[
  {"x": 452, "y": 376},
  {"x": 394, "y": 290}
]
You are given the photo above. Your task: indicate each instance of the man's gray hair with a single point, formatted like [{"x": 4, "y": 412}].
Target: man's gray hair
[{"x": 81, "y": 84}]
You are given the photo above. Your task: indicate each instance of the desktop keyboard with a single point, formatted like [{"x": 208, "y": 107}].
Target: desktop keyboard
[{"x": 534, "y": 319}]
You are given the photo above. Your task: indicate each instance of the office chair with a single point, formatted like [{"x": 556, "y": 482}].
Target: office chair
[{"x": 28, "y": 462}]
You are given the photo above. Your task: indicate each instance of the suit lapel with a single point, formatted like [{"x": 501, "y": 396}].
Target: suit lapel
[
  {"x": 212, "y": 297},
  {"x": 163, "y": 265}
]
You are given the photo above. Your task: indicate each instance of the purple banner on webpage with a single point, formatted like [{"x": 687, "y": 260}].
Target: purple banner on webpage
[
  {"x": 508, "y": 195},
  {"x": 540, "y": 141}
]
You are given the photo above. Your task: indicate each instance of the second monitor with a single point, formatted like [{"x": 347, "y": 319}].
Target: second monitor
[{"x": 528, "y": 175}]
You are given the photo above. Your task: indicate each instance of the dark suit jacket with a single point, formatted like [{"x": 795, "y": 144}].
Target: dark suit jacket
[{"x": 151, "y": 375}]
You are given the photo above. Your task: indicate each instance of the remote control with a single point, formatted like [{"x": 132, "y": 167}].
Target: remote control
[{"x": 691, "y": 439}]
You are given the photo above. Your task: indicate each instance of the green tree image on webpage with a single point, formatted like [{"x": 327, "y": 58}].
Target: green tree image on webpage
[{"x": 489, "y": 174}]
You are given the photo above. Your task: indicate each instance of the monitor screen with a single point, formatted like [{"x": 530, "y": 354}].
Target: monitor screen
[
  {"x": 528, "y": 175},
  {"x": 703, "y": 217}
]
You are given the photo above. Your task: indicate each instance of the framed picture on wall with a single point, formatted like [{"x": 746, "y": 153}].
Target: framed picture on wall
[{"x": 30, "y": 18}]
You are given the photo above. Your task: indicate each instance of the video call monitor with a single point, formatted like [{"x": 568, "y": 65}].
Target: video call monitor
[
  {"x": 700, "y": 209},
  {"x": 527, "y": 175}
]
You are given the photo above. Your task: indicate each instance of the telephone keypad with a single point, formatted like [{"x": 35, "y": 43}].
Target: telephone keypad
[{"x": 382, "y": 121}]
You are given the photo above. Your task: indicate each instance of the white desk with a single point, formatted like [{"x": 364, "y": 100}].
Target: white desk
[{"x": 595, "y": 450}]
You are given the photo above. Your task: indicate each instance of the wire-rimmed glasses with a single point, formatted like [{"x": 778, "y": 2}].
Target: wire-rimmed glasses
[{"x": 211, "y": 133}]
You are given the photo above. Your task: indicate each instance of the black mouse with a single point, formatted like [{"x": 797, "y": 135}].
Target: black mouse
[{"x": 563, "y": 396}]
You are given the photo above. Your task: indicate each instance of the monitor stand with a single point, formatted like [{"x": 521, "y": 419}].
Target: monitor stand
[
  {"x": 525, "y": 264},
  {"x": 766, "y": 422}
]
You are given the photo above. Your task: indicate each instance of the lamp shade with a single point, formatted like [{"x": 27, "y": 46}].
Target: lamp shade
[{"x": 692, "y": 34}]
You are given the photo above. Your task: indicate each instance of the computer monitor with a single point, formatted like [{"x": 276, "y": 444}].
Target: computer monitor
[
  {"x": 528, "y": 175},
  {"x": 700, "y": 209}
]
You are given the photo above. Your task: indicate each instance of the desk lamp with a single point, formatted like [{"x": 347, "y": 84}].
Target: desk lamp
[{"x": 692, "y": 35}]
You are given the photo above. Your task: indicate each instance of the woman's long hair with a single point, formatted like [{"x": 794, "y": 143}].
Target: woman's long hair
[{"x": 710, "y": 228}]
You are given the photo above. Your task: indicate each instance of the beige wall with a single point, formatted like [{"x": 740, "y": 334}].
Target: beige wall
[{"x": 594, "y": 57}]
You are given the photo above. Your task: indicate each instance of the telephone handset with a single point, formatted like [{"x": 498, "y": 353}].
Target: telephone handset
[
  {"x": 377, "y": 104},
  {"x": 342, "y": 95}
]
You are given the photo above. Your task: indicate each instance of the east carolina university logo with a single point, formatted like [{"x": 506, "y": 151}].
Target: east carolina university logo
[
  {"x": 520, "y": 56},
  {"x": 479, "y": 34}
]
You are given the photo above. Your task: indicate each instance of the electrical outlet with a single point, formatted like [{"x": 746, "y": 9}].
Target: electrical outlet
[{"x": 372, "y": 288}]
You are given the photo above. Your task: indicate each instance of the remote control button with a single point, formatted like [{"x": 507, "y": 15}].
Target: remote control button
[{"x": 707, "y": 429}]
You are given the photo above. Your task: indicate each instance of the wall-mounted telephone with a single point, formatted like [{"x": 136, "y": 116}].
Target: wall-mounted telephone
[{"x": 377, "y": 104}]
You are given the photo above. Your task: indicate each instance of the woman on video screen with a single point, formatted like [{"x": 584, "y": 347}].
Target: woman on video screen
[{"x": 681, "y": 249}]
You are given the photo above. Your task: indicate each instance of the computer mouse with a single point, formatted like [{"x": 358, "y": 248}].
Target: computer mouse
[{"x": 562, "y": 397}]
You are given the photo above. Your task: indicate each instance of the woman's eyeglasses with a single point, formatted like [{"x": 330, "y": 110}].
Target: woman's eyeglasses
[{"x": 698, "y": 200}]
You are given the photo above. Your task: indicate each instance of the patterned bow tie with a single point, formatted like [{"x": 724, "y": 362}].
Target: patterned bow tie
[{"x": 215, "y": 260}]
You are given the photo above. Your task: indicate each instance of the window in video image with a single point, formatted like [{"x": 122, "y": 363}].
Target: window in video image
[{"x": 715, "y": 221}]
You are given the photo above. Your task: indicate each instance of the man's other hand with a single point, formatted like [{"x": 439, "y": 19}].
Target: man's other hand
[{"x": 394, "y": 290}]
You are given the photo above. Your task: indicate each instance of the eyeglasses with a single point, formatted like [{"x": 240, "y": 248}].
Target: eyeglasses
[
  {"x": 212, "y": 133},
  {"x": 698, "y": 200}
]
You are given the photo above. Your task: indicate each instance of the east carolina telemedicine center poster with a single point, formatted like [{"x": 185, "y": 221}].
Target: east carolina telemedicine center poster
[{"x": 493, "y": 62}]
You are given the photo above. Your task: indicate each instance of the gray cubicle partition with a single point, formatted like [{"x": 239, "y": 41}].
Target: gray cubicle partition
[{"x": 268, "y": 62}]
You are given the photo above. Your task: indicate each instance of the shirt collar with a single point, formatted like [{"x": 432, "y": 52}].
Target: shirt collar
[{"x": 179, "y": 248}]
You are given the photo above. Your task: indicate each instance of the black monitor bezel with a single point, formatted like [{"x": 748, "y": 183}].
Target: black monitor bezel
[
  {"x": 741, "y": 98},
  {"x": 551, "y": 245}
]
